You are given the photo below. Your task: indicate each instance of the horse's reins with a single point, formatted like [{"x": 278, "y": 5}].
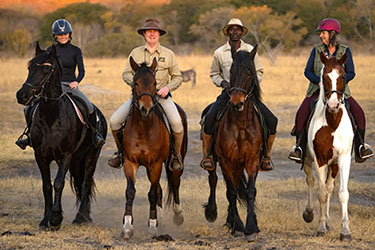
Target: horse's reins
[
  {"x": 247, "y": 93},
  {"x": 342, "y": 99},
  {"x": 43, "y": 85},
  {"x": 154, "y": 98}
]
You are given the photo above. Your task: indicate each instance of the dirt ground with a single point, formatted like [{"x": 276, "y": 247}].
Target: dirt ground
[{"x": 198, "y": 236}]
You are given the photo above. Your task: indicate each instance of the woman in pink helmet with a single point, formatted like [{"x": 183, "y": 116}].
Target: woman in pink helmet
[{"x": 329, "y": 29}]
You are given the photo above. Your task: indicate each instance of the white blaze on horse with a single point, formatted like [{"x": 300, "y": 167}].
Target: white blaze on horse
[{"x": 330, "y": 138}]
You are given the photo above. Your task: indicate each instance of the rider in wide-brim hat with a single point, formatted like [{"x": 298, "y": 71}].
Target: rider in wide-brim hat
[
  {"x": 151, "y": 24},
  {"x": 232, "y": 22}
]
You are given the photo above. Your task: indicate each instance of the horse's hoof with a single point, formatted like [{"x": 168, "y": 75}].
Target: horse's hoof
[
  {"x": 55, "y": 227},
  {"x": 251, "y": 237},
  {"x": 127, "y": 234},
  {"x": 308, "y": 216},
  {"x": 345, "y": 237},
  {"x": 43, "y": 227},
  {"x": 178, "y": 219},
  {"x": 320, "y": 233},
  {"x": 238, "y": 234},
  {"x": 152, "y": 226},
  {"x": 80, "y": 219},
  {"x": 210, "y": 214}
]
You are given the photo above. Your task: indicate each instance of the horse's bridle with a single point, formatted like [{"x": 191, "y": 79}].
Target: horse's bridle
[
  {"x": 326, "y": 93},
  {"x": 40, "y": 88},
  {"x": 155, "y": 99},
  {"x": 247, "y": 93}
]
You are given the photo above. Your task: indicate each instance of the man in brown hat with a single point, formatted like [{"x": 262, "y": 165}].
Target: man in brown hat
[
  {"x": 220, "y": 75},
  {"x": 166, "y": 68}
]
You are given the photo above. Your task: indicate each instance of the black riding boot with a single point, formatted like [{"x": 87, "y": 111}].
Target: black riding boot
[
  {"x": 23, "y": 143},
  {"x": 298, "y": 152},
  {"x": 96, "y": 136},
  {"x": 116, "y": 161},
  {"x": 361, "y": 149}
]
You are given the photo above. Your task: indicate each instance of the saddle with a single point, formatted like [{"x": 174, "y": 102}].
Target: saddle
[
  {"x": 302, "y": 140},
  {"x": 220, "y": 115},
  {"x": 80, "y": 108},
  {"x": 78, "y": 103}
]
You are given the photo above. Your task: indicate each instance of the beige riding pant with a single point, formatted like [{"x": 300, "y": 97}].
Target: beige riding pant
[{"x": 170, "y": 109}]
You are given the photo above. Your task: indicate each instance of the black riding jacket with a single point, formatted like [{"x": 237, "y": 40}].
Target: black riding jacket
[{"x": 70, "y": 57}]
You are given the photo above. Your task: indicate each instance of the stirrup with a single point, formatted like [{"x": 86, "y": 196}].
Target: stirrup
[
  {"x": 98, "y": 140},
  {"x": 116, "y": 156},
  {"x": 268, "y": 161},
  {"x": 366, "y": 147},
  {"x": 293, "y": 156},
  {"x": 23, "y": 143},
  {"x": 176, "y": 158},
  {"x": 207, "y": 158}
]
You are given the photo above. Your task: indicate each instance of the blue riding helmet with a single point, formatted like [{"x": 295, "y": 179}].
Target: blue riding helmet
[{"x": 61, "y": 26}]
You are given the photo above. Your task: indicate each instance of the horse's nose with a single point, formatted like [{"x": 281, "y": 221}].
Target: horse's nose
[
  {"x": 144, "y": 111},
  {"x": 21, "y": 97},
  {"x": 239, "y": 106}
]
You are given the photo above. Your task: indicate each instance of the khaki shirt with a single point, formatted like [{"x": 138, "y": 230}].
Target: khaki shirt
[
  {"x": 222, "y": 61},
  {"x": 167, "y": 71}
]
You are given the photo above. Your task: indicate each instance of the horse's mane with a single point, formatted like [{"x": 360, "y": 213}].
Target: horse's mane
[
  {"x": 43, "y": 57},
  {"x": 242, "y": 65}
]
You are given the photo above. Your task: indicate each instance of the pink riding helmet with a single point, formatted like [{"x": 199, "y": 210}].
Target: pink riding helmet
[{"x": 329, "y": 24}]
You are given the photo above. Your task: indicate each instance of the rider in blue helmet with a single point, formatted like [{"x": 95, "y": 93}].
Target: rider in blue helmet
[{"x": 70, "y": 57}]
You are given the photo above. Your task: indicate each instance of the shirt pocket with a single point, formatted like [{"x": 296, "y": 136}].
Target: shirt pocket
[{"x": 162, "y": 74}]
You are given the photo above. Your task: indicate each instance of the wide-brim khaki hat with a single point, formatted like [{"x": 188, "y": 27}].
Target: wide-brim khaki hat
[
  {"x": 232, "y": 22},
  {"x": 151, "y": 24}
]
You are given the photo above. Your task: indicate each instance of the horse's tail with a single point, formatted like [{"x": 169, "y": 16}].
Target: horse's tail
[
  {"x": 242, "y": 197},
  {"x": 77, "y": 175},
  {"x": 171, "y": 186}
]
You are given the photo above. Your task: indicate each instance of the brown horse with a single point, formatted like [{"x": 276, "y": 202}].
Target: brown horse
[
  {"x": 147, "y": 142},
  {"x": 238, "y": 146}
]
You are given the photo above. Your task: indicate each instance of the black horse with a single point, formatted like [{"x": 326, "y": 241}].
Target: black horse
[{"x": 57, "y": 134}]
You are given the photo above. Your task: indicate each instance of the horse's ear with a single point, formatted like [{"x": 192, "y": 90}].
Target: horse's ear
[
  {"x": 253, "y": 52},
  {"x": 233, "y": 51},
  {"x": 52, "y": 52},
  {"x": 133, "y": 64},
  {"x": 323, "y": 58},
  {"x": 38, "y": 50},
  {"x": 342, "y": 60},
  {"x": 153, "y": 65}
]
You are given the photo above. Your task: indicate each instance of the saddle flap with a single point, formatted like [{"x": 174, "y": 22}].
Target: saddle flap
[{"x": 80, "y": 107}]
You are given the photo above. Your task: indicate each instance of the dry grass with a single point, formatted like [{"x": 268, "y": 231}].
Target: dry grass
[
  {"x": 280, "y": 202},
  {"x": 280, "y": 206}
]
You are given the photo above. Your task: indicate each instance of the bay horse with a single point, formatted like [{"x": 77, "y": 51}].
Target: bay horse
[
  {"x": 147, "y": 143},
  {"x": 57, "y": 134},
  {"x": 330, "y": 138},
  {"x": 238, "y": 147}
]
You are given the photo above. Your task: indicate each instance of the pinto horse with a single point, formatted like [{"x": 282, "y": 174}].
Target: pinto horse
[
  {"x": 238, "y": 147},
  {"x": 330, "y": 138},
  {"x": 57, "y": 134},
  {"x": 147, "y": 142}
]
